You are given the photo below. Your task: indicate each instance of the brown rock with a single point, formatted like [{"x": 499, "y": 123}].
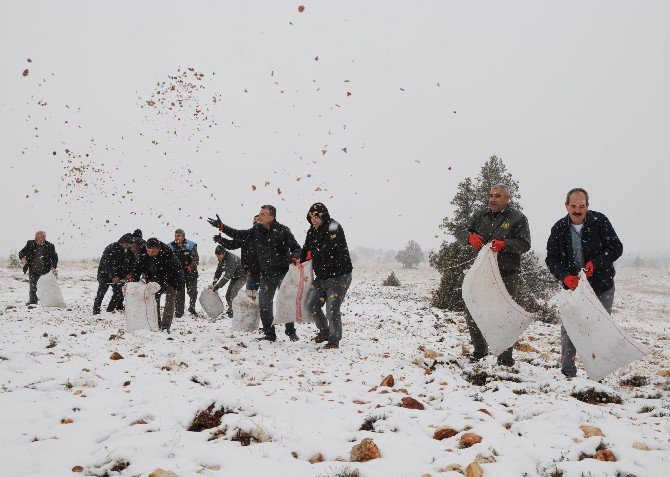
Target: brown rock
[
  {"x": 444, "y": 433},
  {"x": 162, "y": 473},
  {"x": 411, "y": 403},
  {"x": 485, "y": 411},
  {"x": 525, "y": 347},
  {"x": 605, "y": 455},
  {"x": 115, "y": 356},
  {"x": 452, "y": 468},
  {"x": 365, "y": 451},
  {"x": 66, "y": 421},
  {"x": 431, "y": 354},
  {"x": 640, "y": 446},
  {"x": 474, "y": 470},
  {"x": 139, "y": 422},
  {"x": 388, "y": 381},
  {"x": 591, "y": 431},
  {"x": 469, "y": 439},
  {"x": 317, "y": 458},
  {"x": 664, "y": 373},
  {"x": 294, "y": 454},
  {"x": 77, "y": 468}
]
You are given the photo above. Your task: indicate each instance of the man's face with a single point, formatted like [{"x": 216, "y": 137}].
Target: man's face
[
  {"x": 179, "y": 238},
  {"x": 316, "y": 221},
  {"x": 40, "y": 238},
  {"x": 264, "y": 218},
  {"x": 220, "y": 256},
  {"x": 134, "y": 247},
  {"x": 498, "y": 200},
  {"x": 125, "y": 245},
  {"x": 577, "y": 207},
  {"x": 152, "y": 252}
]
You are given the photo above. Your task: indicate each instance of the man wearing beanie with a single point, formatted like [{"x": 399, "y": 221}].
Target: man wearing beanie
[
  {"x": 276, "y": 247},
  {"x": 112, "y": 267},
  {"x": 187, "y": 253},
  {"x": 230, "y": 266},
  {"x": 326, "y": 246},
  {"x": 160, "y": 265}
]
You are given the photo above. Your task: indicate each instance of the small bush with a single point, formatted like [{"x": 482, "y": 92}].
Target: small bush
[
  {"x": 391, "y": 281},
  {"x": 591, "y": 396}
]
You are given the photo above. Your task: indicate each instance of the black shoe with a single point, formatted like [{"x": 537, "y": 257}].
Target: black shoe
[
  {"x": 191, "y": 310},
  {"x": 332, "y": 346},
  {"x": 474, "y": 358},
  {"x": 509, "y": 364},
  {"x": 320, "y": 338},
  {"x": 178, "y": 316},
  {"x": 96, "y": 312},
  {"x": 267, "y": 338},
  {"x": 293, "y": 337}
]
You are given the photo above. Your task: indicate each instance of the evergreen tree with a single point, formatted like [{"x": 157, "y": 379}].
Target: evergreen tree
[
  {"x": 536, "y": 285},
  {"x": 411, "y": 256},
  {"x": 13, "y": 261}
]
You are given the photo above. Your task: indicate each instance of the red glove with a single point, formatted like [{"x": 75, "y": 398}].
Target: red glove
[
  {"x": 129, "y": 278},
  {"x": 497, "y": 245},
  {"x": 308, "y": 257},
  {"x": 189, "y": 268},
  {"x": 476, "y": 241},
  {"x": 588, "y": 269},
  {"x": 296, "y": 261},
  {"x": 571, "y": 281}
]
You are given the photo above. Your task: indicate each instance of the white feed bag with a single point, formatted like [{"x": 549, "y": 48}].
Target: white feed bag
[
  {"x": 246, "y": 312},
  {"x": 141, "y": 313},
  {"x": 292, "y": 295},
  {"x": 211, "y": 302},
  {"x": 48, "y": 291}
]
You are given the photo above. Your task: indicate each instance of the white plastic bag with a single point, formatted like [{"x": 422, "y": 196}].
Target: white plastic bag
[
  {"x": 500, "y": 319},
  {"x": 140, "y": 304},
  {"x": 601, "y": 344},
  {"x": 292, "y": 295},
  {"x": 211, "y": 302},
  {"x": 48, "y": 291},
  {"x": 246, "y": 312}
]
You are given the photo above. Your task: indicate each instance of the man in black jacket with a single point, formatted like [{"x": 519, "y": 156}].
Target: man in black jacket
[
  {"x": 507, "y": 230},
  {"x": 248, "y": 256},
  {"x": 161, "y": 265},
  {"x": 326, "y": 246},
  {"x": 276, "y": 247},
  {"x": 112, "y": 268},
  {"x": 187, "y": 253},
  {"x": 38, "y": 257},
  {"x": 584, "y": 239}
]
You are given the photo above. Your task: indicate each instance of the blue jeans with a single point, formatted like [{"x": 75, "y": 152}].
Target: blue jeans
[
  {"x": 568, "y": 351},
  {"x": 268, "y": 287},
  {"x": 253, "y": 281}
]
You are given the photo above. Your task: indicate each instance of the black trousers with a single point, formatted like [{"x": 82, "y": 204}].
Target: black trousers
[
  {"x": 191, "y": 287},
  {"x": 116, "y": 303}
]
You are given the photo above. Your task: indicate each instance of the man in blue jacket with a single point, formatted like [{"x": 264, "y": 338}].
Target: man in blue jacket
[
  {"x": 584, "y": 239},
  {"x": 187, "y": 254}
]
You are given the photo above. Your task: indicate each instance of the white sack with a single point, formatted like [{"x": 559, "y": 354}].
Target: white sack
[
  {"x": 140, "y": 304},
  {"x": 246, "y": 313},
  {"x": 292, "y": 295},
  {"x": 48, "y": 291},
  {"x": 211, "y": 302},
  {"x": 500, "y": 319},
  {"x": 601, "y": 344}
]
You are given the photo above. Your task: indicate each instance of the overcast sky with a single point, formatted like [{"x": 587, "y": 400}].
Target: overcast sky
[{"x": 566, "y": 93}]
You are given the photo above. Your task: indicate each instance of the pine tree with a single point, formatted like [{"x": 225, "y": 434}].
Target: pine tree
[
  {"x": 391, "y": 281},
  {"x": 411, "y": 256},
  {"x": 13, "y": 261},
  {"x": 536, "y": 284}
]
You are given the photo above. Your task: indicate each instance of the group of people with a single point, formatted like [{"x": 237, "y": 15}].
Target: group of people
[{"x": 582, "y": 240}]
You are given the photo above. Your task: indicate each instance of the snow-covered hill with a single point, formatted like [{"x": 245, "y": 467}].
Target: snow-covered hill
[{"x": 64, "y": 403}]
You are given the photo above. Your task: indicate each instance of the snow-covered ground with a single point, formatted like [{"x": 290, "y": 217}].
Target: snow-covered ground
[{"x": 65, "y": 403}]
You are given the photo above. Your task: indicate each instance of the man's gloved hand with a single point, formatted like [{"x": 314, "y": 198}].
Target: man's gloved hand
[
  {"x": 476, "y": 241},
  {"x": 308, "y": 256},
  {"x": 588, "y": 269},
  {"x": 129, "y": 277},
  {"x": 218, "y": 238},
  {"x": 215, "y": 287},
  {"x": 571, "y": 281},
  {"x": 296, "y": 261},
  {"x": 497, "y": 245},
  {"x": 216, "y": 222},
  {"x": 189, "y": 268}
]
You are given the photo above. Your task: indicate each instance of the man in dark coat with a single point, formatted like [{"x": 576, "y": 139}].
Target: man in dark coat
[
  {"x": 38, "y": 257},
  {"x": 112, "y": 268},
  {"x": 187, "y": 253},
  {"x": 326, "y": 246},
  {"x": 161, "y": 265},
  {"x": 507, "y": 230},
  {"x": 276, "y": 247},
  {"x": 230, "y": 269},
  {"x": 248, "y": 256},
  {"x": 584, "y": 239}
]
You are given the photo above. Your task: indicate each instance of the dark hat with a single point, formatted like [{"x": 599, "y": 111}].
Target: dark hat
[
  {"x": 137, "y": 233},
  {"x": 153, "y": 242},
  {"x": 219, "y": 250},
  {"x": 126, "y": 238},
  {"x": 318, "y": 210}
]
